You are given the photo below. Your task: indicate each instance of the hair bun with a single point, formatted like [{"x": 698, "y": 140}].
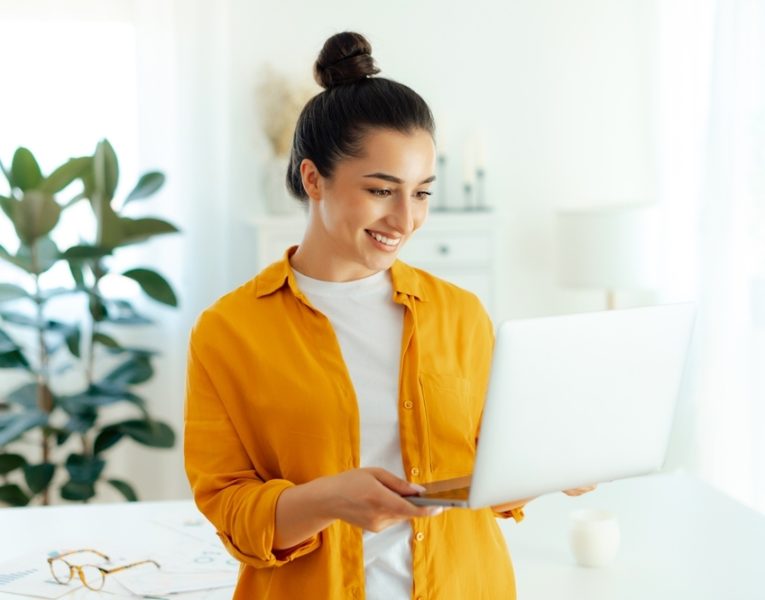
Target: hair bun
[{"x": 345, "y": 58}]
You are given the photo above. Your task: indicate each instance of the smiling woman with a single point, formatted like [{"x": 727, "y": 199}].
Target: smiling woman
[{"x": 325, "y": 390}]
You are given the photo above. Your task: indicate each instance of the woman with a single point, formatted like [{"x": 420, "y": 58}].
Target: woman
[{"x": 322, "y": 392}]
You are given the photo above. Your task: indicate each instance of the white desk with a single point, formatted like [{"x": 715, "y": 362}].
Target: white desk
[{"x": 680, "y": 539}]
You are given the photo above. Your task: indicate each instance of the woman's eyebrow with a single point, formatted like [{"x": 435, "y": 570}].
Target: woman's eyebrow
[{"x": 394, "y": 179}]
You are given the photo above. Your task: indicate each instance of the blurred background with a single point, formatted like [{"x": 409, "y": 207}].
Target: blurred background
[{"x": 635, "y": 124}]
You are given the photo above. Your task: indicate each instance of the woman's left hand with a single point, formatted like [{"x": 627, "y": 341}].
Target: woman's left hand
[{"x": 579, "y": 491}]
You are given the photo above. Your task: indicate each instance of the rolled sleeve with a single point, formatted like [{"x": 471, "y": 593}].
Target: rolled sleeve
[
  {"x": 225, "y": 485},
  {"x": 515, "y": 513}
]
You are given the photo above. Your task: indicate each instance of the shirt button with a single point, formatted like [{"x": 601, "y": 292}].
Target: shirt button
[
  {"x": 408, "y": 404},
  {"x": 414, "y": 471},
  {"x": 420, "y": 536}
]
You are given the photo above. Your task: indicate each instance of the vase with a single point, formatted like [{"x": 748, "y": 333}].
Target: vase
[{"x": 278, "y": 199}]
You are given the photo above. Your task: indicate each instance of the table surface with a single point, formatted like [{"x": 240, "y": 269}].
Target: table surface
[{"x": 680, "y": 538}]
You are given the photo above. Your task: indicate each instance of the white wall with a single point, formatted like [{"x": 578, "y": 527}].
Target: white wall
[{"x": 562, "y": 90}]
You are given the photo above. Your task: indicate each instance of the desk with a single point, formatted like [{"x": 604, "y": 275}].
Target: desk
[{"x": 680, "y": 539}]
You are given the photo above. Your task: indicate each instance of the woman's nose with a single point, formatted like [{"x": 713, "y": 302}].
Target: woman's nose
[{"x": 403, "y": 217}]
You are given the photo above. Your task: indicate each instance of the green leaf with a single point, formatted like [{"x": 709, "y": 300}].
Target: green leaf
[
  {"x": 96, "y": 396},
  {"x": 35, "y": 215},
  {"x": 6, "y": 343},
  {"x": 47, "y": 256},
  {"x": 66, "y": 174},
  {"x": 105, "y": 340},
  {"x": 105, "y": 170},
  {"x": 84, "y": 469},
  {"x": 11, "y": 462},
  {"x": 149, "y": 433},
  {"x": 135, "y": 230},
  {"x": 81, "y": 422},
  {"x": 20, "y": 424},
  {"x": 135, "y": 370},
  {"x": 106, "y": 438},
  {"x": 24, "y": 170},
  {"x": 14, "y": 359},
  {"x": 125, "y": 314},
  {"x": 18, "y": 318},
  {"x": 73, "y": 341},
  {"x": 97, "y": 309},
  {"x": 76, "y": 491},
  {"x": 8, "y": 205},
  {"x": 38, "y": 477},
  {"x": 13, "y": 495},
  {"x": 154, "y": 285},
  {"x": 85, "y": 252},
  {"x": 75, "y": 268},
  {"x": 148, "y": 184},
  {"x": 8, "y": 291},
  {"x": 124, "y": 488},
  {"x": 25, "y": 396},
  {"x": 6, "y": 173},
  {"x": 62, "y": 435}
]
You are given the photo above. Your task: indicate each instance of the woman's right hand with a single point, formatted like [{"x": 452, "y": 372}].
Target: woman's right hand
[{"x": 370, "y": 498}]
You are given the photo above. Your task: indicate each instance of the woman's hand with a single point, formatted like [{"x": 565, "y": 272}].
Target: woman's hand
[
  {"x": 370, "y": 498},
  {"x": 579, "y": 491},
  {"x": 511, "y": 505}
]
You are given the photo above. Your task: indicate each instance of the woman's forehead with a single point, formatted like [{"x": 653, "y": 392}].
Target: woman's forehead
[{"x": 408, "y": 156}]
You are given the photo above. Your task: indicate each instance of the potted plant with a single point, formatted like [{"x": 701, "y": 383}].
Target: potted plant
[{"x": 75, "y": 370}]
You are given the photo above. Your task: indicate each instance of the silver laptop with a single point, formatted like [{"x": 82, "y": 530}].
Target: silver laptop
[{"x": 574, "y": 400}]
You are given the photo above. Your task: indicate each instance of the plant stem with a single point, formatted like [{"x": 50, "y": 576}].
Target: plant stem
[{"x": 44, "y": 397}]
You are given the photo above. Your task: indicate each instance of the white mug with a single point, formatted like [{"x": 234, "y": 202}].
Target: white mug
[{"x": 594, "y": 537}]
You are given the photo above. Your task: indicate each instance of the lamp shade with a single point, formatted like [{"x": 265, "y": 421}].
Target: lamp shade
[{"x": 608, "y": 248}]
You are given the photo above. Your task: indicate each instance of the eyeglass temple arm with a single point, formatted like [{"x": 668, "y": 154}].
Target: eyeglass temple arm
[
  {"x": 68, "y": 552},
  {"x": 135, "y": 564}
]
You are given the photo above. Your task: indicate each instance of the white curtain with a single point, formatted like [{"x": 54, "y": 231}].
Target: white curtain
[{"x": 711, "y": 140}]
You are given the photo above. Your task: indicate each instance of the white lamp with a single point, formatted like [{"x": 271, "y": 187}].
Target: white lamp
[{"x": 608, "y": 248}]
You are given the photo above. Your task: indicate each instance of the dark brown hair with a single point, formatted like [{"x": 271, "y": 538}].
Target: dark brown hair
[{"x": 333, "y": 123}]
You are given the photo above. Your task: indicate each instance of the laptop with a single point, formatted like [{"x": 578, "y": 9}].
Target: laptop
[{"x": 574, "y": 400}]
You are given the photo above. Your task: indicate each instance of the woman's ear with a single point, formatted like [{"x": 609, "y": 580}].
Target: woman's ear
[{"x": 313, "y": 182}]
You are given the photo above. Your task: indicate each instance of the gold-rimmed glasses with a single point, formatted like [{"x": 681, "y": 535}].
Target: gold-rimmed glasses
[{"x": 92, "y": 576}]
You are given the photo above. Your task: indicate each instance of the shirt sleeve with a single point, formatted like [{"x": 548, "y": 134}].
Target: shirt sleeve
[{"x": 225, "y": 485}]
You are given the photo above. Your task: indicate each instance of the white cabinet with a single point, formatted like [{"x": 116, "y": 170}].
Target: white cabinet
[{"x": 459, "y": 247}]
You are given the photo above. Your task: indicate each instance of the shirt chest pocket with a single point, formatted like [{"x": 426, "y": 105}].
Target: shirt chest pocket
[{"x": 450, "y": 422}]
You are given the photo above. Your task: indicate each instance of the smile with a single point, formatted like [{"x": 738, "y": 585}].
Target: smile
[{"x": 390, "y": 242}]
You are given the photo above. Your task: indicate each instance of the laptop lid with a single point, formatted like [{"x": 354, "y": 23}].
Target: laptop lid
[{"x": 579, "y": 399}]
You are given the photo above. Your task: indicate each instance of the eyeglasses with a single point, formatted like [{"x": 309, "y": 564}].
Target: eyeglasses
[{"x": 92, "y": 576}]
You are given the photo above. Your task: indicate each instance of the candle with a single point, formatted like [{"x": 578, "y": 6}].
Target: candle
[
  {"x": 468, "y": 165},
  {"x": 480, "y": 152}
]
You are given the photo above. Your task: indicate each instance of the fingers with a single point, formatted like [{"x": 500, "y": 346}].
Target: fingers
[
  {"x": 395, "y": 484},
  {"x": 579, "y": 491}
]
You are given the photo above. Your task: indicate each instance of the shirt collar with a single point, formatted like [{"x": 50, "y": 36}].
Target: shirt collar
[{"x": 405, "y": 278}]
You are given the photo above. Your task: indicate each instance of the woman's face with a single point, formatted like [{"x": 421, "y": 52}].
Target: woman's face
[{"x": 363, "y": 215}]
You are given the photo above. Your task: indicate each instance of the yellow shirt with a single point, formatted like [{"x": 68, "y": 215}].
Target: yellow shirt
[{"x": 270, "y": 404}]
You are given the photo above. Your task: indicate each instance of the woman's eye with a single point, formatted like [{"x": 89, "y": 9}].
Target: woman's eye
[
  {"x": 380, "y": 193},
  {"x": 423, "y": 195}
]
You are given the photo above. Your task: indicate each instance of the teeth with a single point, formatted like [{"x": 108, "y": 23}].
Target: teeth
[{"x": 385, "y": 240}]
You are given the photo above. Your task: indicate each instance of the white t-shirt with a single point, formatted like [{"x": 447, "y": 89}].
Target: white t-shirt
[{"x": 369, "y": 327}]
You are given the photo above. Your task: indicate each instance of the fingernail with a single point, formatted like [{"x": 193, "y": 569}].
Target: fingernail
[
  {"x": 416, "y": 487},
  {"x": 436, "y": 510}
]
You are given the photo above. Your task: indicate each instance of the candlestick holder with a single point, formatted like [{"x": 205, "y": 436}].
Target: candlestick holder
[
  {"x": 468, "y": 192},
  {"x": 480, "y": 198},
  {"x": 440, "y": 203}
]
